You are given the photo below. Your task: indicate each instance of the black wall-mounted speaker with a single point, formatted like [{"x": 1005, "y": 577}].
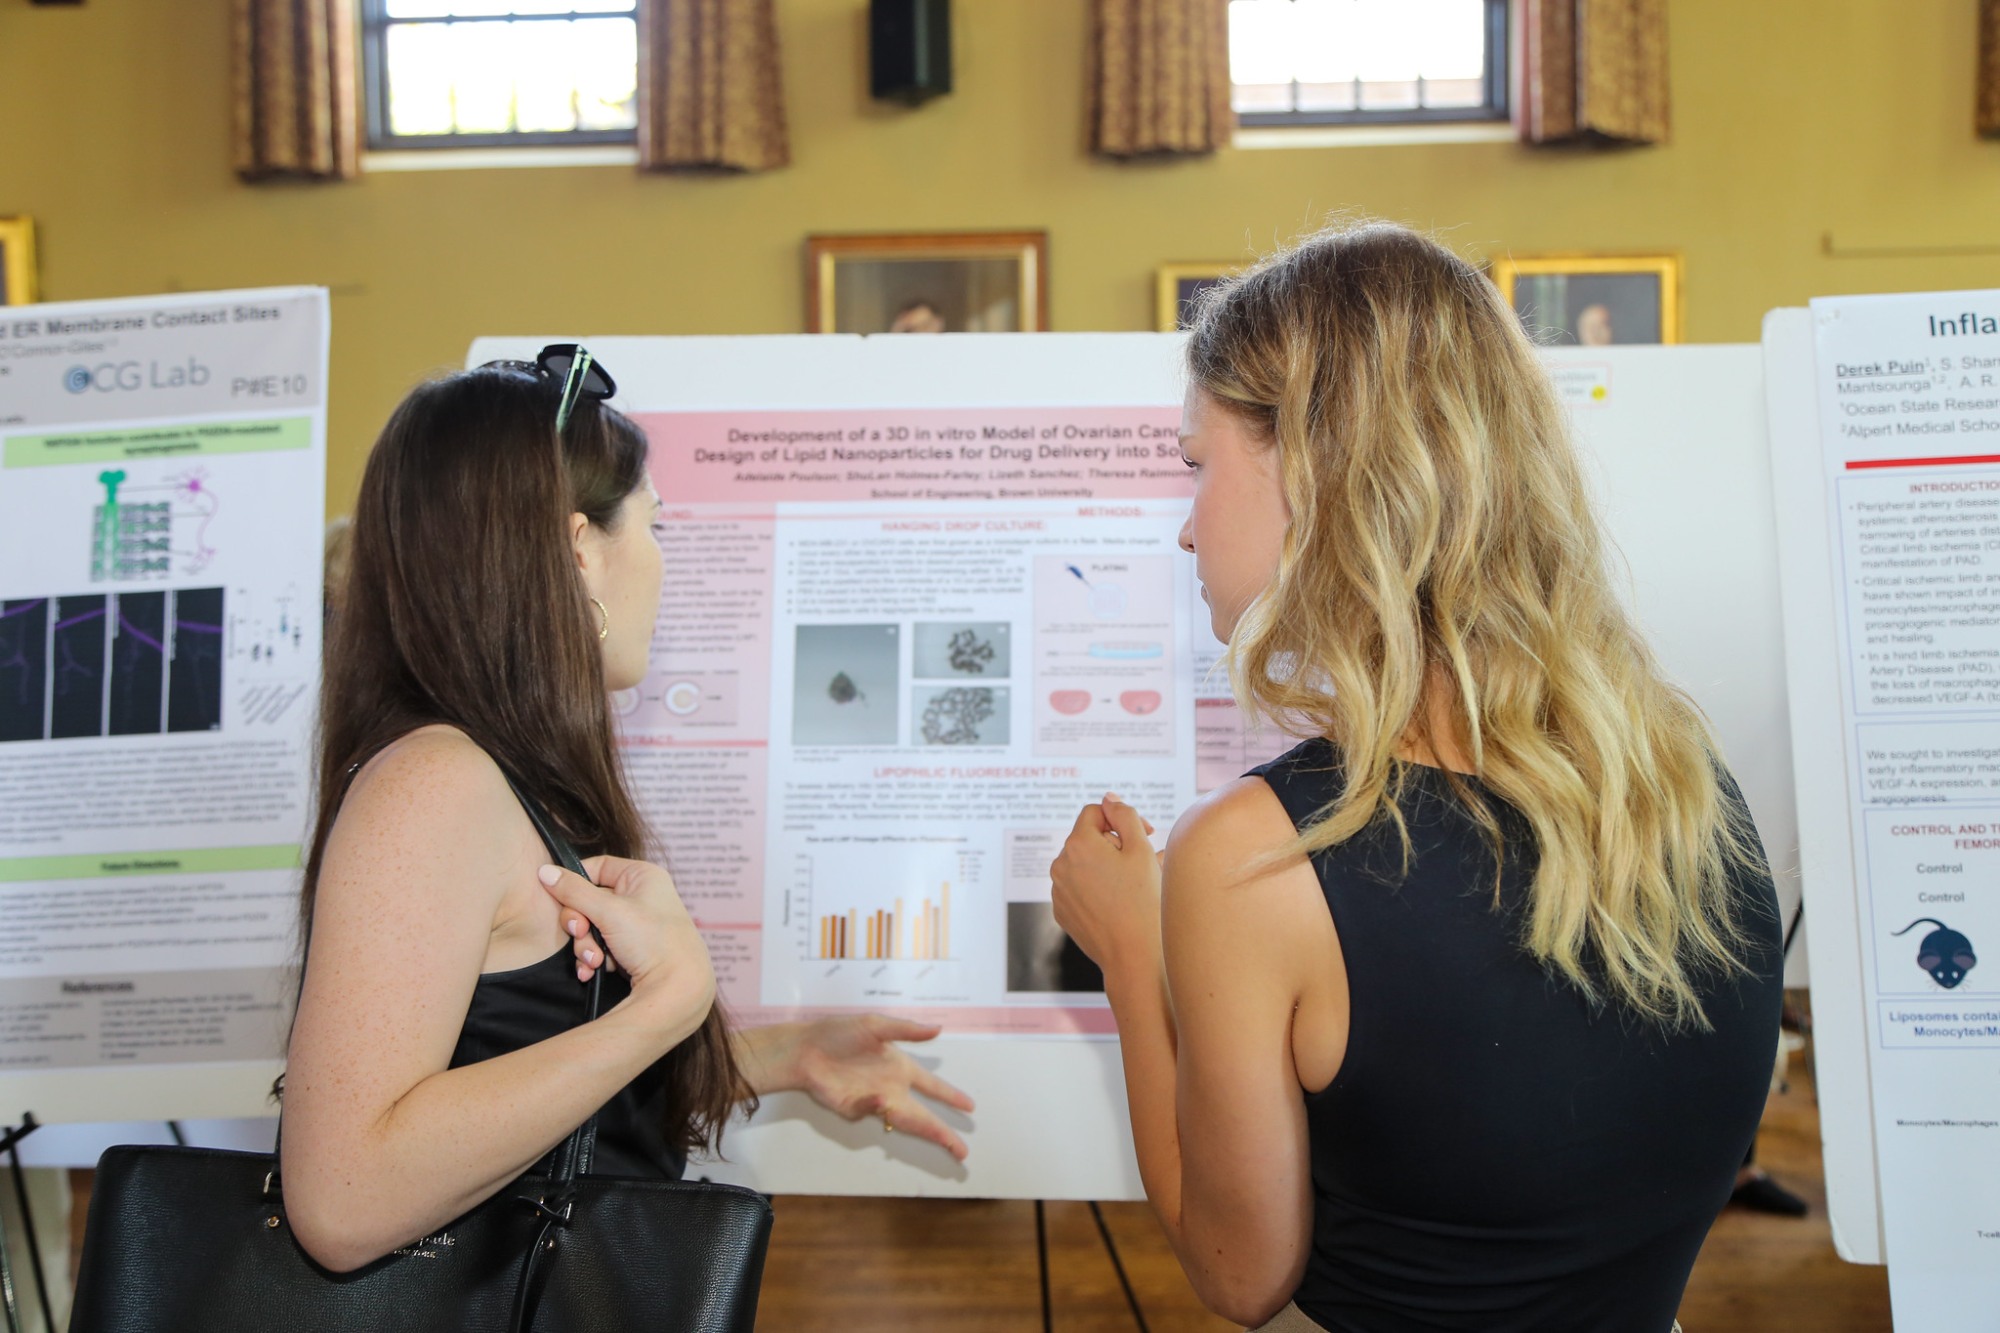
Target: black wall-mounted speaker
[{"x": 909, "y": 49}]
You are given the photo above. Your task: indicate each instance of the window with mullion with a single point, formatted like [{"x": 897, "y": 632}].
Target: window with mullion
[
  {"x": 1345, "y": 62},
  {"x": 499, "y": 73}
]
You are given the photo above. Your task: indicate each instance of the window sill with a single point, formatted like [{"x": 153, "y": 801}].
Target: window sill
[
  {"x": 1373, "y": 136},
  {"x": 470, "y": 159}
]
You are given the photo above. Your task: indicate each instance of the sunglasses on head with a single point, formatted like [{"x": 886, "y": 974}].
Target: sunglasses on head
[{"x": 571, "y": 365}]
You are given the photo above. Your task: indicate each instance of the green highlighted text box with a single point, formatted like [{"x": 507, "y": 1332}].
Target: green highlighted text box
[
  {"x": 199, "y": 439},
  {"x": 199, "y": 861}
]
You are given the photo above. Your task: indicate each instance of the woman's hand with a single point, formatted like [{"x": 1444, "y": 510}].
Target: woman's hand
[
  {"x": 646, "y": 930},
  {"x": 1107, "y": 887},
  {"x": 852, "y": 1066}
]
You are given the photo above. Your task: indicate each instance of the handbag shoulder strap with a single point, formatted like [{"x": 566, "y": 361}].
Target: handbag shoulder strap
[{"x": 573, "y": 1155}]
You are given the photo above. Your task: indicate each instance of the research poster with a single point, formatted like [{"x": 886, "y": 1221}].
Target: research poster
[
  {"x": 899, "y": 649},
  {"x": 901, "y": 645},
  {"x": 1909, "y": 406},
  {"x": 923, "y": 601},
  {"x": 162, "y": 493}
]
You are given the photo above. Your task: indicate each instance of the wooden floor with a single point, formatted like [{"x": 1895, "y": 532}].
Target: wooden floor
[
  {"x": 950, "y": 1266},
  {"x": 970, "y": 1266}
]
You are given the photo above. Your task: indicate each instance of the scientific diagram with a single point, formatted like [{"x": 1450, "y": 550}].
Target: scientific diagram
[
  {"x": 120, "y": 664},
  {"x": 154, "y": 531},
  {"x": 679, "y": 702},
  {"x": 267, "y": 629},
  {"x": 886, "y": 917},
  {"x": 1103, "y": 655}
]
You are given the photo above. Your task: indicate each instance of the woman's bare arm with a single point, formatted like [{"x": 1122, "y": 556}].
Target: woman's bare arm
[
  {"x": 1205, "y": 1021},
  {"x": 383, "y": 1143}
]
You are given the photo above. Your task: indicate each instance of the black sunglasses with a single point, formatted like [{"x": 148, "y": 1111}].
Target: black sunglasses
[{"x": 571, "y": 364}]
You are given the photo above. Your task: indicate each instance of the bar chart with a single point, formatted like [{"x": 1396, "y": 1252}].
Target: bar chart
[
  {"x": 884, "y": 900},
  {"x": 921, "y": 930}
]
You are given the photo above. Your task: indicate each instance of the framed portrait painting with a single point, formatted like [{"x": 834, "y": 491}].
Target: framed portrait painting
[
  {"x": 17, "y": 262},
  {"x": 1594, "y": 300},
  {"x": 935, "y": 282},
  {"x": 1176, "y": 287}
]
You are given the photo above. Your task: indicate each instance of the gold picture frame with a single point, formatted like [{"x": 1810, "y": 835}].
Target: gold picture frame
[
  {"x": 17, "y": 262},
  {"x": 928, "y": 282},
  {"x": 1594, "y": 299},
  {"x": 1175, "y": 287}
]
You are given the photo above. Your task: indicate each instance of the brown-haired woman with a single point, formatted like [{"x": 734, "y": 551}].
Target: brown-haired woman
[
  {"x": 1460, "y": 1015},
  {"x": 503, "y": 578}
]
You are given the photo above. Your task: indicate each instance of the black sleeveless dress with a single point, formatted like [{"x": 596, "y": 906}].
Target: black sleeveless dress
[
  {"x": 529, "y": 1004},
  {"x": 1495, "y": 1153}
]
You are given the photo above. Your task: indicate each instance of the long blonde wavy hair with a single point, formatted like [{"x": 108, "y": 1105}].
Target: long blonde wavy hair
[{"x": 1441, "y": 529}]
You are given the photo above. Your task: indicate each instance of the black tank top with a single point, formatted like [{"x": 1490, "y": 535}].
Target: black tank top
[
  {"x": 529, "y": 1004},
  {"x": 1494, "y": 1153}
]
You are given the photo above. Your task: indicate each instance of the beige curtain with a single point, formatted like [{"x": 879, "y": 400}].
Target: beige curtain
[
  {"x": 1988, "y": 113},
  {"x": 710, "y": 94},
  {"x": 295, "y": 109},
  {"x": 1160, "y": 77},
  {"x": 1594, "y": 70}
]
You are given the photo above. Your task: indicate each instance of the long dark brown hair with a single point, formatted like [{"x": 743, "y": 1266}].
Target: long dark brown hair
[{"x": 463, "y": 605}]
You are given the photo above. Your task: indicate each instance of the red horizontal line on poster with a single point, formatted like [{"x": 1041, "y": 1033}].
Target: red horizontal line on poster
[
  {"x": 728, "y": 925},
  {"x": 668, "y": 742},
  {"x": 898, "y": 517},
  {"x": 1855, "y": 465}
]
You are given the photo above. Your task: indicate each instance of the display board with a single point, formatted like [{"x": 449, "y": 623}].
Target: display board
[
  {"x": 1886, "y": 416},
  {"x": 923, "y": 600},
  {"x": 162, "y": 487}
]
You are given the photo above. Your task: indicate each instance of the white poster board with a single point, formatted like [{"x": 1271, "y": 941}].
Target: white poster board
[
  {"x": 1886, "y": 423},
  {"x": 1676, "y": 440},
  {"x": 162, "y": 486}
]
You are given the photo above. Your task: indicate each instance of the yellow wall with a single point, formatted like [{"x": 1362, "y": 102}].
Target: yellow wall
[{"x": 1792, "y": 119}]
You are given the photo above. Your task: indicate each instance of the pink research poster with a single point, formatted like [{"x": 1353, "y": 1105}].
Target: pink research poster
[
  {"x": 923, "y": 601},
  {"x": 898, "y": 649}
]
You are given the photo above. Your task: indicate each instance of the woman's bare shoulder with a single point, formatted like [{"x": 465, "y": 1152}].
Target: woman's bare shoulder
[
  {"x": 1238, "y": 821},
  {"x": 437, "y": 763},
  {"x": 430, "y": 796}
]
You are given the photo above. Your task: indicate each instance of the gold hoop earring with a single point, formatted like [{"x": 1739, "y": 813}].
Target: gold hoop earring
[{"x": 603, "y": 618}]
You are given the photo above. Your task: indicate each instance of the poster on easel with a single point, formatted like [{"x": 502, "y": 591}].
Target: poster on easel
[
  {"x": 924, "y": 598},
  {"x": 162, "y": 493},
  {"x": 1890, "y": 515}
]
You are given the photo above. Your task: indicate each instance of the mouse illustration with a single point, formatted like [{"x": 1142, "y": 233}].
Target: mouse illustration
[{"x": 1944, "y": 953}]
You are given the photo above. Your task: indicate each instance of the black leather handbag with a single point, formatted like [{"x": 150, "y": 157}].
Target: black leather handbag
[{"x": 194, "y": 1240}]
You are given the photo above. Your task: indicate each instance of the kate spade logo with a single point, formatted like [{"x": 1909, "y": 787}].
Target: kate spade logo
[{"x": 428, "y": 1247}]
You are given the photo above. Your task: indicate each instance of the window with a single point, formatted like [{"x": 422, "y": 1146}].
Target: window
[
  {"x": 499, "y": 73},
  {"x": 1344, "y": 62}
]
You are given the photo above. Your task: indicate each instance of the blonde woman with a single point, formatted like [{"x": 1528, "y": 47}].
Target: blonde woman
[{"x": 1459, "y": 1015}]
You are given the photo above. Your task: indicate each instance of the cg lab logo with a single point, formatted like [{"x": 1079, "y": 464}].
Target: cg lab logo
[{"x": 111, "y": 377}]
